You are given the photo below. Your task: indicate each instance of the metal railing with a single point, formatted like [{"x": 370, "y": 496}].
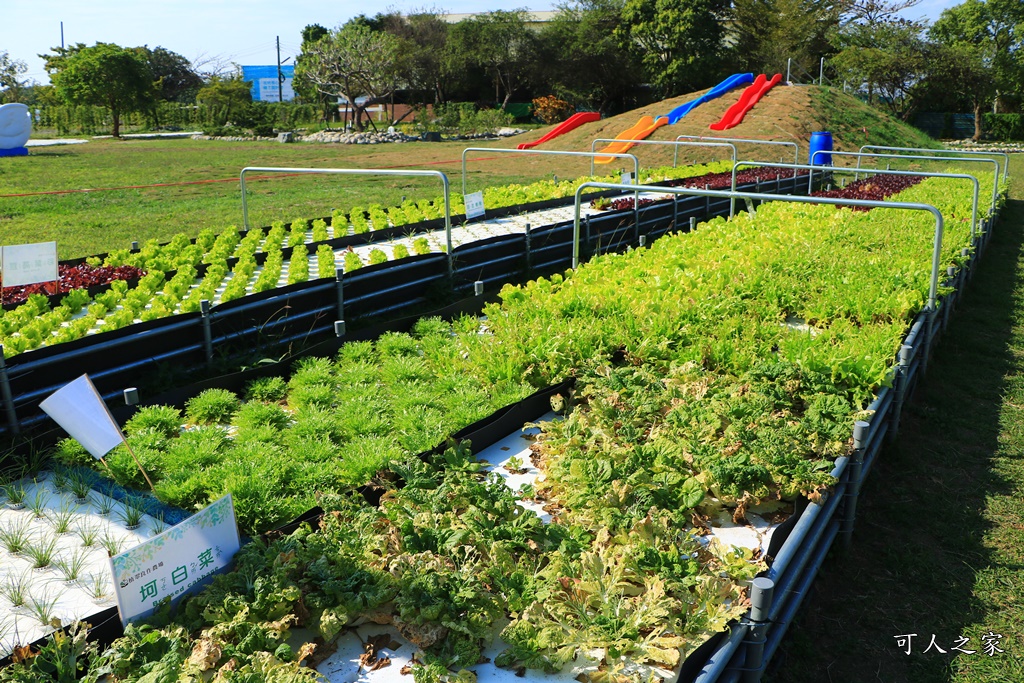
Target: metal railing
[
  {"x": 867, "y": 203},
  {"x": 880, "y": 171},
  {"x": 361, "y": 171},
  {"x": 801, "y": 78},
  {"x": 676, "y": 145},
  {"x": 795, "y": 146},
  {"x": 859, "y": 155},
  {"x": 936, "y": 152},
  {"x": 591, "y": 155},
  {"x": 775, "y": 597}
]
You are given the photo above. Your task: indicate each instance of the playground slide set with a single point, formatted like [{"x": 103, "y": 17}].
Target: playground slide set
[
  {"x": 747, "y": 100},
  {"x": 574, "y": 121},
  {"x": 725, "y": 86},
  {"x": 643, "y": 128},
  {"x": 733, "y": 116}
]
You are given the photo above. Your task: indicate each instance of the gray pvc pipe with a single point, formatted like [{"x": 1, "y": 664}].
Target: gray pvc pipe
[
  {"x": 675, "y": 157},
  {"x": 361, "y": 171},
  {"x": 1004, "y": 155},
  {"x": 903, "y": 206},
  {"x": 795, "y": 146},
  {"x": 881, "y": 171},
  {"x": 799, "y": 592},
  {"x": 995, "y": 179},
  {"x": 721, "y": 657},
  {"x": 549, "y": 152}
]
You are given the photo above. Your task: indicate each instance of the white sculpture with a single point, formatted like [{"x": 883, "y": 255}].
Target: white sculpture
[{"x": 15, "y": 129}]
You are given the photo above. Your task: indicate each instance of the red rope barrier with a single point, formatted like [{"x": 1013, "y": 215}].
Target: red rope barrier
[{"x": 214, "y": 180}]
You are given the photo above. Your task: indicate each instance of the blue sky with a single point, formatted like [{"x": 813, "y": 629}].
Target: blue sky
[{"x": 241, "y": 31}]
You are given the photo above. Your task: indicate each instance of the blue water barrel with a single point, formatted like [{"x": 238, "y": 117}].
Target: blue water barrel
[{"x": 821, "y": 140}]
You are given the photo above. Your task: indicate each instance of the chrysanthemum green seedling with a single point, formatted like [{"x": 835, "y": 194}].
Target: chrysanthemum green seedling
[
  {"x": 15, "y": 589},
  {"x": 38, "y": 503},
  {"x": 15, "y": 537},
  {"x": 80, "y": 487},
  {"x": 87, "y": 534},
  {"x": 103, "y": 504},
  {"x": 97, "y": 588},
  {"x": 42, "y": 553},
  {"x": 212, "y": 406},
  {"x": 112, "y": 544},
  {"x": 71, "y": 566},
  {"x": 43, "y": 608},
  {"x": 131, "y": 512},
  {"x": 63, "y": 517},
  {"x": 15, "y": 493}
]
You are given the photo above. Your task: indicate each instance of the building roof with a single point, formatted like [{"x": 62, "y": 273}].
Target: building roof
[{"x": 531, "y": 17}]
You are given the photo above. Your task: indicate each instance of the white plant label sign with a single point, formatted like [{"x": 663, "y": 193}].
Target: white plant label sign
[
  {"x": 175, "y": 562},
  {"x": 27, "y": 264},
  {"x": 627, "y": 178},
  {"x": 474, "y": 204}
]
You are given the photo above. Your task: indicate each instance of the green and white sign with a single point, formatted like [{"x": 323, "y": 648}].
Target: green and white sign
[
  {"x": 175, "y": 562},
  {"x": 474, "y": 204}
]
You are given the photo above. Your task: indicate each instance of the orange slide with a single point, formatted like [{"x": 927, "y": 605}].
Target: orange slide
[
  {"x": 574, "y": 121},
  {"x": 644, "y": 127},
  {"x": 734, "y": 115}
]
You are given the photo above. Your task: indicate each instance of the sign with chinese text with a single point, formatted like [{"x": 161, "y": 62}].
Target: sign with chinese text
[
  {"x": 269, "y": 91},
  {"x": 474, "y": 204},
  {"x": 627, "y": 178},
  {"x": 263, "y": 81},
  {"x": 175, "y": 562},
  {"x": 27, "y": 264}
]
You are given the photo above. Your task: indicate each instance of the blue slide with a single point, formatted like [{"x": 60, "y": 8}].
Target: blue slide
[{"x": 725, "y": 86}]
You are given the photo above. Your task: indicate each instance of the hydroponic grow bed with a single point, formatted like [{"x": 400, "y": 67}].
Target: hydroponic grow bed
[
  {"x": 55, "y": 545},
  {"x": 559, "y": 320}
]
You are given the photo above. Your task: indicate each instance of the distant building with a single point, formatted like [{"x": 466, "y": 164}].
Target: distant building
[
  {"x": 264, "y": 82},
  {"x": 534, "y": 20}
]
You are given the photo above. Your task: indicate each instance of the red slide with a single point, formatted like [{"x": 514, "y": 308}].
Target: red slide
[
  {"x": 574, "y": 121},
  {"x": 747, "y": 100}
]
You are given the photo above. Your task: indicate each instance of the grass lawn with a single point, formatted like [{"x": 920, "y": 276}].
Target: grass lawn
[
  {"x": 93, "y": 222},
  {"x": 939, "y": 545}
]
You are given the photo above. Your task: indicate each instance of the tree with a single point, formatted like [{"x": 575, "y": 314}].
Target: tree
[
  {"x": 892, "y": 59},
  {"x": 313, "y": 32},
  {"x": 975, "y": 44},
  {"x": 106, "y": 75},
  {"x": 501, "y": 43},
  {"x": 206, "y": 66},
  {"x": 1009, "y": 60},
  {"x": 885, "y": 53},
  {"x": 307, "y": 91},
  {"x": 55, "y": 62},
  {"x": 680, "y": 44},
  {"x": 766, "y": 34},
  {"x": 11, "y": 86},
  {"x": 353, "y": 62},
  {"x": 871, "y": 12},
  {"x": 423, "y": 36},
  {"x": 582, "y": 59},
  {"x": 229, "y": 93},
  {"x": 178, "y": 81}
]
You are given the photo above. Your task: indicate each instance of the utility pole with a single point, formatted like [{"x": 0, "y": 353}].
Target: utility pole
[
  {"x": 280, "y": 78},
  {"x": 62, "y": 35}
]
